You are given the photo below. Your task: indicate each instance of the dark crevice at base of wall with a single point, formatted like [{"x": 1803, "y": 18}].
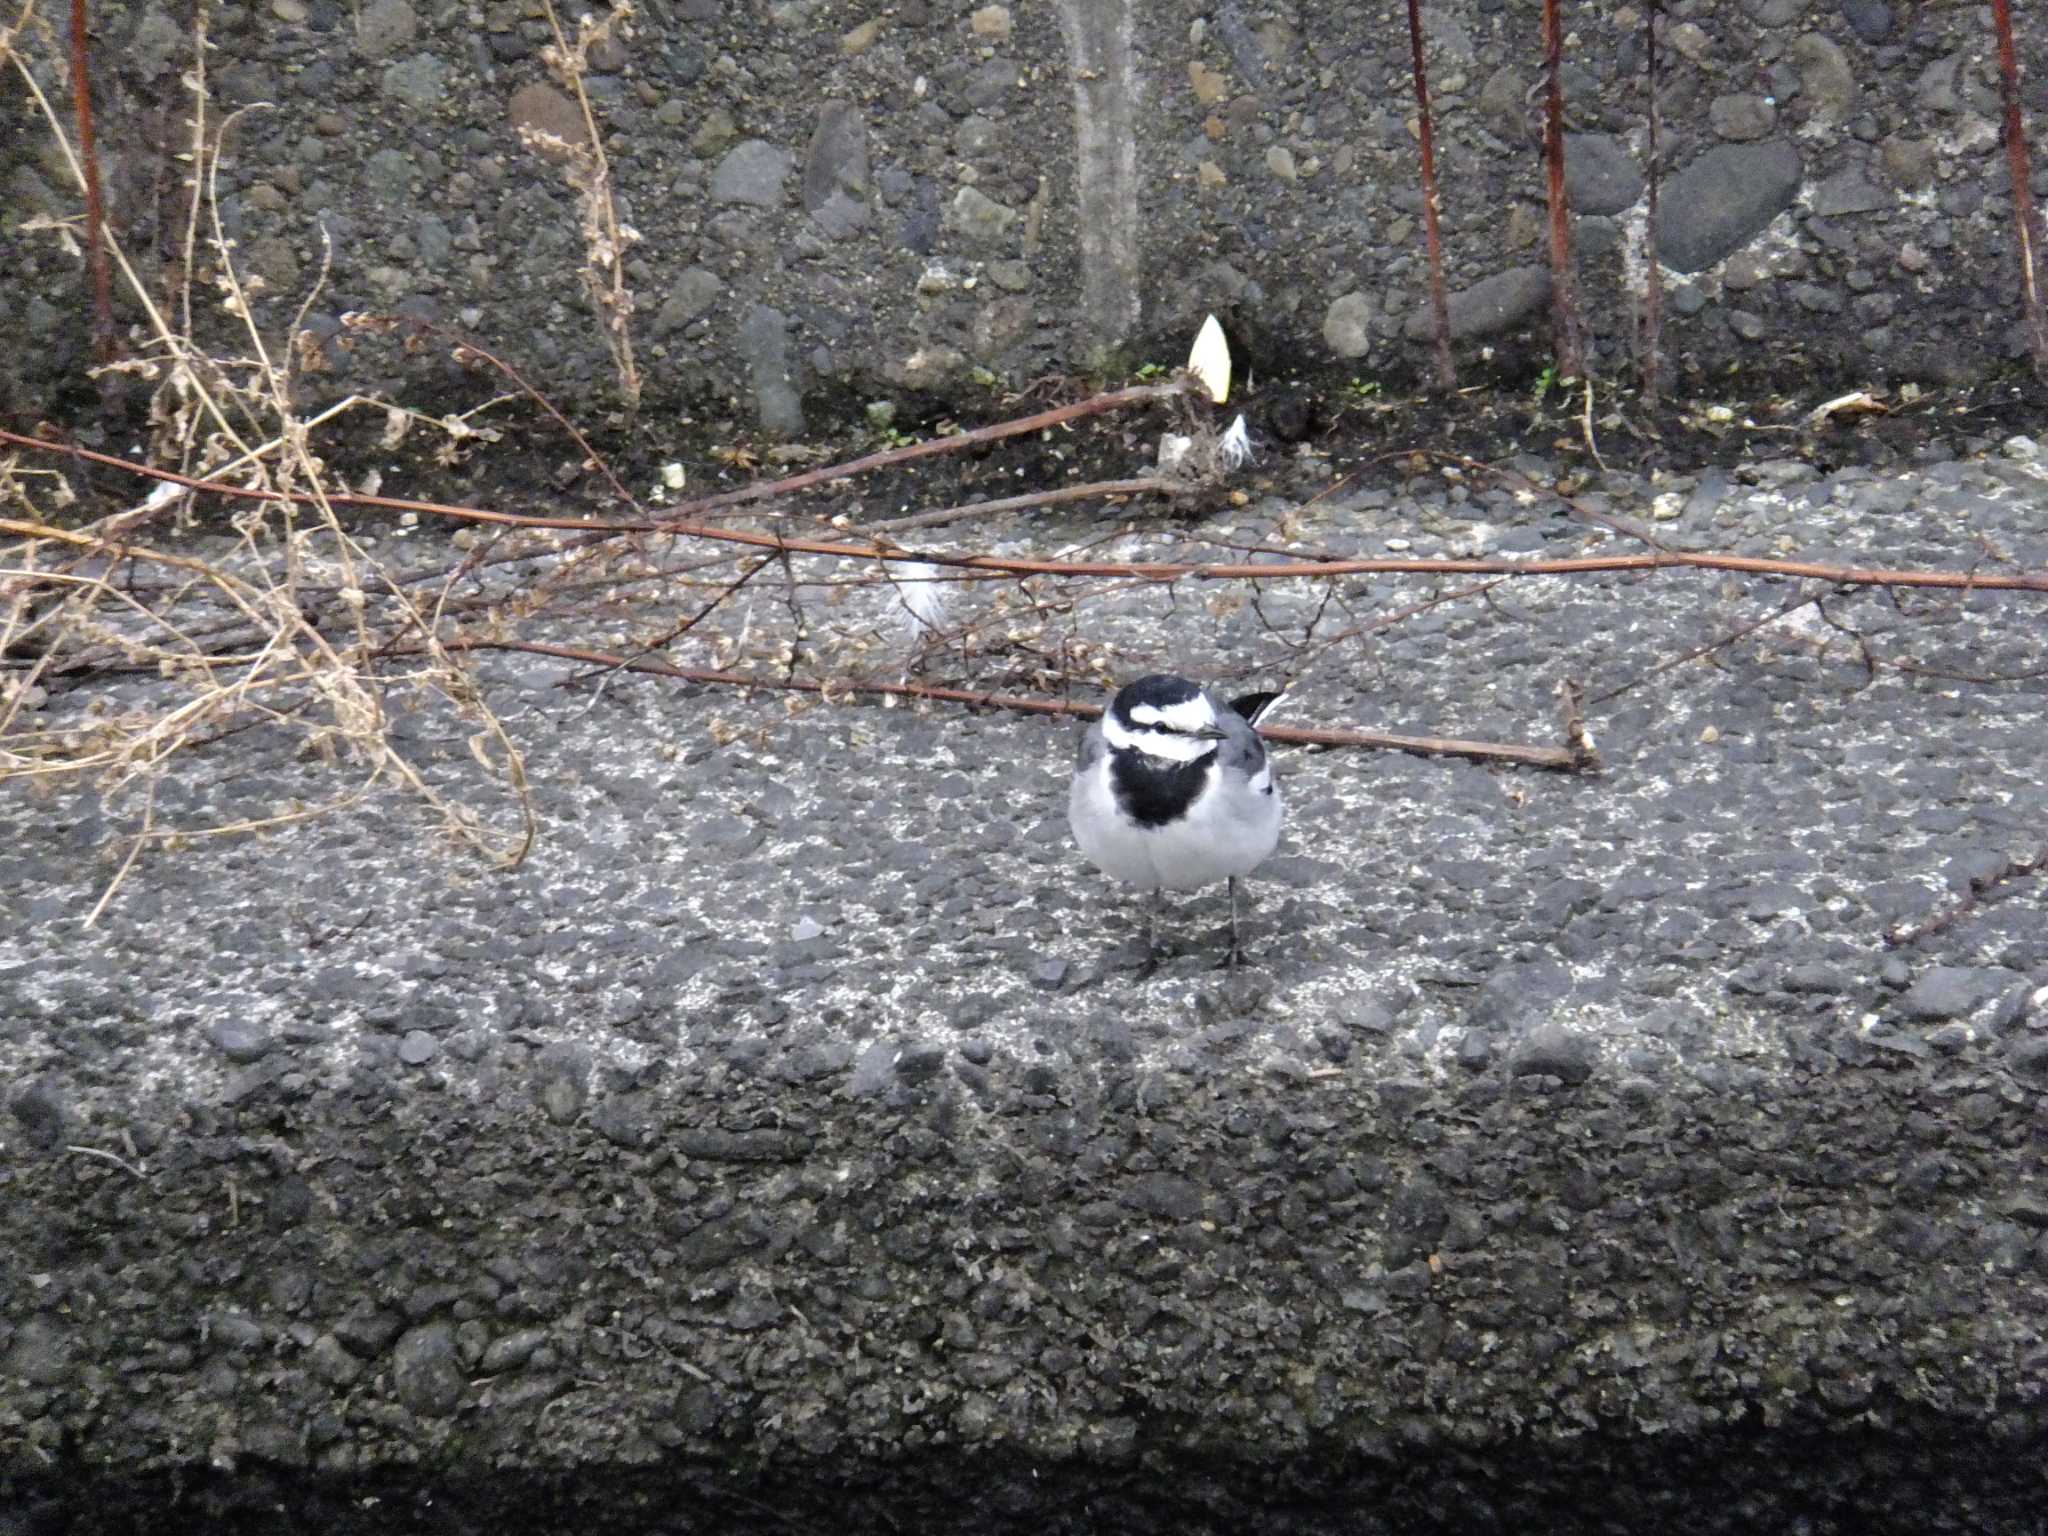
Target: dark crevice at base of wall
[{"x": 1926, "y": 1478}]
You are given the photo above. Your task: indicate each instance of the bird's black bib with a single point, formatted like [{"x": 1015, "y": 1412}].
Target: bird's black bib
[{"x": 1153, "y": 793}]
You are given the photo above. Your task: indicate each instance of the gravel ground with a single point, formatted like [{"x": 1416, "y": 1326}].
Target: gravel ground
[{"x": 795, "y": 1127}]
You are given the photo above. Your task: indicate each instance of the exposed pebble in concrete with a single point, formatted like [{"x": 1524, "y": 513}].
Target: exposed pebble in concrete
[
  {"x": 976, "y": 216},
  {"x": 425, "y": 1373},
  {"x": 1742, "y": 117},
  {"x": 1347, "y": 325},
  {"x": 763, "y": 341},
  {"x": 752, "y": 173},
  {"x": 1725, "y": 198},
  {"x": 1601, "y": 176},
  {"x": 386, "y": 26},
  {"x": 1492, "y": 304}
]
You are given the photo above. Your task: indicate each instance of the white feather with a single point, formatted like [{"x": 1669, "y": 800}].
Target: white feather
[
  {"x": 1235, "y": 451},
  {"x": 923, "y": 596}
]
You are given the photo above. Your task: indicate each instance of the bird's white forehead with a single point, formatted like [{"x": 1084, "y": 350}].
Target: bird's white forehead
[{"x": 1188, "y": 715}]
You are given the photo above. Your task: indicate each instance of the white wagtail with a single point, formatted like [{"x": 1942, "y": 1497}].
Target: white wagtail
[{"x": 1173, "y": 790}]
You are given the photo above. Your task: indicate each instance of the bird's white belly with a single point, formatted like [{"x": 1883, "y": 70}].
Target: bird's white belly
[{"x": 1212, "y": 842}]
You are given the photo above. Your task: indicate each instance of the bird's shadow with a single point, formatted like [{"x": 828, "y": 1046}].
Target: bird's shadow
[{"x": 1232, "y": 989}]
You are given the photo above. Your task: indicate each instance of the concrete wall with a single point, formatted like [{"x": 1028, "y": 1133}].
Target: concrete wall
[{"x": 837, "y": 202}]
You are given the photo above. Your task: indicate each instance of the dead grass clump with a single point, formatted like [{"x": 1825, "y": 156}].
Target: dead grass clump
[{"x": 272, "y": 624}]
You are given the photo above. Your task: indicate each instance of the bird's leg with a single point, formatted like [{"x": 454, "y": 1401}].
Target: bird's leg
[
  {"x": 1236, "y": 953},
  {"x": 1151, "y": 961}
]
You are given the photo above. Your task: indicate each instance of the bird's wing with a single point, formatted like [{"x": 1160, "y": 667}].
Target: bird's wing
[{"x": 1092, "y": 748}]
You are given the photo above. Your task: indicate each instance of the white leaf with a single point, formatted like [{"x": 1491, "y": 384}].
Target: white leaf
[{"x": 1210, "y": 360}]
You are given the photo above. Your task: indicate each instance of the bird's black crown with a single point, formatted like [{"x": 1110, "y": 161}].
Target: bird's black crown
[{"x": 1162, "y": 690}]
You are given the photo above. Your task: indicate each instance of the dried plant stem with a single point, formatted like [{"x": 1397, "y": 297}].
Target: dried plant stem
[
  {"x": 605, "y": 238},
  {"x": 352, "y": 688},
  {"x": 140, "y": 841},
  {"x": 1743, "y": 631},
  {"x": 2026, "y": 220},
  {"x": 1580, "y": 508},
  {"x": 703, "y": 611},
  {"x": 111, "y": 1157},
  {"x": 95, "y": 208},
  {"x": 1439, "y": 305},
  {"x": 1586, "y": 424},
  {"x": 196, "y": 78},
  {"x": 1567, "y": 758},
  {"x": 467, "y": 351},
  {"x": 1571, "y": 710}
]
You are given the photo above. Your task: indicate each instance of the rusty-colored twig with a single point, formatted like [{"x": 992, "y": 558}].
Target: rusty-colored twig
[
  {"x": 2026, "y": 221},
  {"x": 1571, "y": 357},
  {"x": 1147, "y": 570},
  {"x": 1439, "y": 306},
  {"x": 1902, "y": 934},
  {"x": 1433, "y": 746},
  {"x": 1099, "y": 489},
  {"x": 1653, "y": 275},
  {"x": 1116, "y": 399}
]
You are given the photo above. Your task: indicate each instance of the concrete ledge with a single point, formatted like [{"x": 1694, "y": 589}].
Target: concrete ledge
[
  {"x": 790, "y": 1128},
  {"x": 1513, "y": 1279}
]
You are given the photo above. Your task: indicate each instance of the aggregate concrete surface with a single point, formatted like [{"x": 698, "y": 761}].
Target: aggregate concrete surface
[
  {"x": 822, "y": 208},
  {"x": 794, "y": 1142}
]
